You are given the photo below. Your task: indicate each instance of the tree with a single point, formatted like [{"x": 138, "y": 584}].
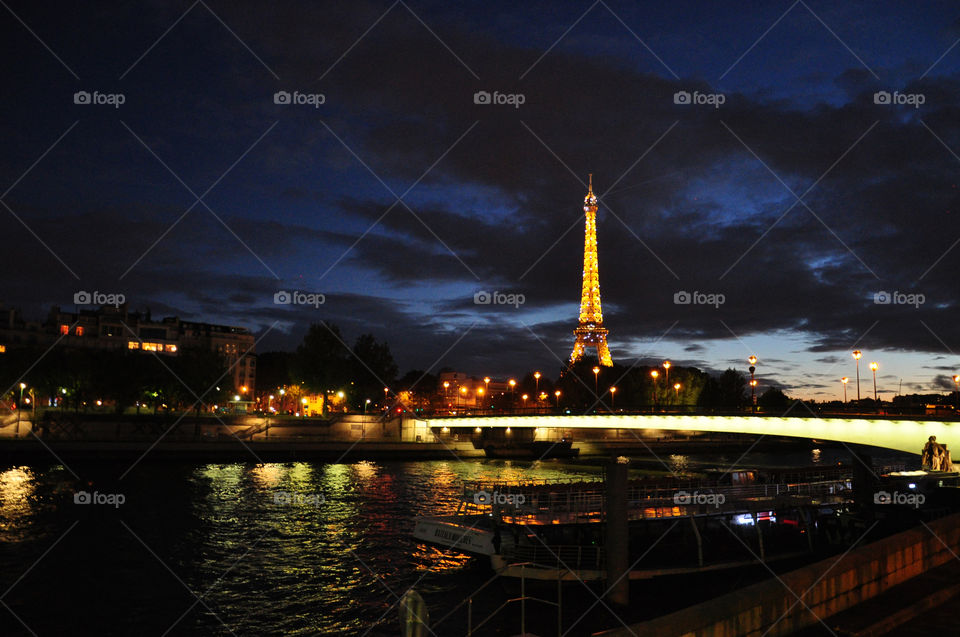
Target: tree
[
  {"x": 322, "y": 362},
  {"x": 774, "y": 400},
  {"x": 733, "y": 390},
  {"x": 373, "y": 367},
  {"x": 273, "y": 370}
]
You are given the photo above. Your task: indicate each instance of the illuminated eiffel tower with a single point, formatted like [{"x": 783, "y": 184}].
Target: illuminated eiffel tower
[{"x": 591, "y": 332}]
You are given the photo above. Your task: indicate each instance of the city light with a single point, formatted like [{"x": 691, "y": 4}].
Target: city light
[{"x": 857, "y": 355}]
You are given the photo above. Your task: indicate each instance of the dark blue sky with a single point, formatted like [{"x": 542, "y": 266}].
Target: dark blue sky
[{"x": 693, "y": 198}]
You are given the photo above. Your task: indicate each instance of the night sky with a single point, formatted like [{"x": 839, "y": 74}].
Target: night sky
[{"x": 799, "y": 198}]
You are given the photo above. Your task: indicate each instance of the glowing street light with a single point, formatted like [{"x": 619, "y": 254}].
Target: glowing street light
[
  {"x": 753, "y": 383},
  {"x": 613, "y": 397},
  {"x": 486, "y": 383},
  {"x": 596, "y": 377},
  {"x": 844, "y": 380},
  {"x": 536, "y": 377},
  {"x": 858, "y": 355},
  {"x": 676, "y": 388},
  {"x": 557, "y": 394},
  {"x": 654, "y": 374},
  {"x": 873, "y": 367},
  {"x": 956, "y": 381},
  {"x": 16, "y": 433},
  {"x": 666, "y": 367},
  {"x": 524, "y": 397}
]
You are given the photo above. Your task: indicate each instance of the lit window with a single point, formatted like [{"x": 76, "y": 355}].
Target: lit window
[
  {"x": 64, "y": 329},
  {"x": 133, "y": 344},
  {"x": 170, "y": 348},
  {"x": 151, "y": 347},
  {"x": 79, "y": 331}
]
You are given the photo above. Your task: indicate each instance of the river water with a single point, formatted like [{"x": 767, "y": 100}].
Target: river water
[{"x": 247, "y": 549}]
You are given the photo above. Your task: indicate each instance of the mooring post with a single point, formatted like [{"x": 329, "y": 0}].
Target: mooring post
[
  {"x": 618, "y": 549},
  {"x": 864, "y": 479}
]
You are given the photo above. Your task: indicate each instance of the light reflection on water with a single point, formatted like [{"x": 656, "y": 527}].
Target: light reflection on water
[{"x": 264, "y": 566}]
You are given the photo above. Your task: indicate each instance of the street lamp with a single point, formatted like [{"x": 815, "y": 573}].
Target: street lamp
[
  {"x": 956, "y": 381},
  {"x": 524, "y": 397},
  {"x": 480, "y": 393},
  {"x": 536, "y": 377},
  {"x": 844, "y": 380},
  {"x": 596, "y": 377},
  {"x": 857, "y": 355},
  {"x": 613, "y": 398},
  {"x": 676, "y": 388},
  {"x": 486, "y": 383},
  {"x": 19, "y": 408},
  {"x": 463, "y": 393},
  {"x": 666, "y": 366},
  {"x": 753, "y": 383},
  {"x": 874, "y": 366},
  {"x": 365, "y": 403},
  {"x": 654, "y": 374},
  {"x": 557, "y": 394}
]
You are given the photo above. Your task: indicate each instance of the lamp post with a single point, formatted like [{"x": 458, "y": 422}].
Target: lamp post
[
  {"x": 956, "y": 381},
  {"x": 480, "y": 393},
  {"x": 524, "y": 397},
  {"x": 596, "y": 377},
  {"x": 613, "y": 398},
  {"x": 557, "y": 394},
  {"x": 666, "y": 367},
  {"x": 536, "y": 377},
  {"x": 857, "y": 354},
  {"x": 676, "y": 388},
  {"x": 873, "y": 367},
  {"x": 512, "y": 384},
  {"x": 463, "y": 394},
  {"x": 16, "y": 433},
  {"x": 753, "y": 383},
  {"x": 844, "y": 380},
  {"x": 654, "y": 374}
]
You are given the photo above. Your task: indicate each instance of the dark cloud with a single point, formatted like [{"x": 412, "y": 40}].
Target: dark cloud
[{"x": 494, "y": 191}]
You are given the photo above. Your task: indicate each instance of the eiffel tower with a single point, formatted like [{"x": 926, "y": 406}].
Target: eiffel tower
[{"x": 590, "y": 332}]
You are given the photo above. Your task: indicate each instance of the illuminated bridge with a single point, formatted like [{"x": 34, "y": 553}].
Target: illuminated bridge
[{"x": 902, "y": 435}]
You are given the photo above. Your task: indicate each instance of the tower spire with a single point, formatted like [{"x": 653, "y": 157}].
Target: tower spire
[{"x": 590, "y": 331}]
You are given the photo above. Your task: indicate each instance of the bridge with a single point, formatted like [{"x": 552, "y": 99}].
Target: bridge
[{"x": 901, "y": 435}]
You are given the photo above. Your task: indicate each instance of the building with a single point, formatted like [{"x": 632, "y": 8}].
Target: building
[{"x": 116, "y": 328}]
